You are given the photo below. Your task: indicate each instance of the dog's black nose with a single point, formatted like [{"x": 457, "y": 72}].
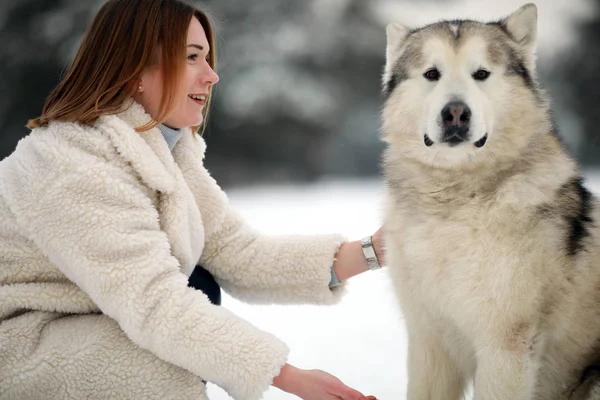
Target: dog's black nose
[
  {"x": 456, "y": 116},
  {"x": 456, "y": 113}
]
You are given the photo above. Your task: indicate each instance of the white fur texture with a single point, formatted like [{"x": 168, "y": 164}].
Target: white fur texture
[{"x": 103, "y": 219}]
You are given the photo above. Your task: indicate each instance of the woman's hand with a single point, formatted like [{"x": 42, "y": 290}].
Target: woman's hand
[
  {"x": 315, "y": 385},
  {"x": 319, "y": 385}
]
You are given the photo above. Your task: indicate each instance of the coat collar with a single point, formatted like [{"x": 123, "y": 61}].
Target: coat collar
[
  {"x": 165, "y": 171},
  {"x": 182, "y": 218},
  {"x": 147, "y": 152}
]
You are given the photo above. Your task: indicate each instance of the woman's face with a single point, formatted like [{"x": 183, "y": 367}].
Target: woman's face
[{"x": 197, "y": 79}]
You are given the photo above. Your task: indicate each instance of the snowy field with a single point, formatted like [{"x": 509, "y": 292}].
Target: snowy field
[{"x": 362, "y": 340}]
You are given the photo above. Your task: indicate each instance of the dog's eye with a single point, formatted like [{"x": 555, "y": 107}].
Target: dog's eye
[
  {"x": 432, "y": 74},
  {"x": 481, "y": 75}
]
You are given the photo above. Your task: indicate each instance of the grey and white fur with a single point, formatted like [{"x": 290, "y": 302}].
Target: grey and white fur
[{"x": 493, "y": 239}]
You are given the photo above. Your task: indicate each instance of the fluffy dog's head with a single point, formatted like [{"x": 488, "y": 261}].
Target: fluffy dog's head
[{"x": 462, "y": 93}]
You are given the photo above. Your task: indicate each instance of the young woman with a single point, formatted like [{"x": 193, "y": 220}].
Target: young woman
[{"x": 105, "y": 211}]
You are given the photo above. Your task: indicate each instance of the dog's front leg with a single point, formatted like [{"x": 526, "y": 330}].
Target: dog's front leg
[
  {"x": 432, "y": 375},
  {"x": 504, "y": 375}
]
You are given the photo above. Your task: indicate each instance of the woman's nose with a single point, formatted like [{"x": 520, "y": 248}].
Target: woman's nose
[{"x": 211, "y": 76}]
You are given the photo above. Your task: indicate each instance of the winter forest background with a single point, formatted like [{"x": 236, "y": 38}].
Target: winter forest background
[
  {"x": 293, "y": 135},
  {"x": 299, "y": 93}
]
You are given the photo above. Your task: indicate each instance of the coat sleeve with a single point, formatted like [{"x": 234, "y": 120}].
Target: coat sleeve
[
  {"x": 254, "y": 267},
  {"x": 96, "y": 222},
  {"x": 249, "y": 265}
]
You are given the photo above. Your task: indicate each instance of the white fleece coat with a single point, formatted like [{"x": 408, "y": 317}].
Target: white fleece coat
[{"x": 100, "y": 226}]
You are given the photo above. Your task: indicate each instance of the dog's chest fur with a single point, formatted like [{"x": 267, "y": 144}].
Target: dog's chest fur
[{"x": 465, "y": 252}]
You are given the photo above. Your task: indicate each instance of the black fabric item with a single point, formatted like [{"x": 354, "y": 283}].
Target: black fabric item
[{"x": 203, "y": 280}]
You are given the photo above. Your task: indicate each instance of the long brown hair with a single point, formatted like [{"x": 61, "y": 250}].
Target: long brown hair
[{"x": 123, "y": 40}]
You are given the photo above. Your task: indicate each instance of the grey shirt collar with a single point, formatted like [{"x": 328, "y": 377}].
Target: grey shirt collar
[{"x": 171, "y": 135}]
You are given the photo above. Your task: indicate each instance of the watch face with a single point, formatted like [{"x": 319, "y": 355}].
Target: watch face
[{"x": 366, "y": 241}]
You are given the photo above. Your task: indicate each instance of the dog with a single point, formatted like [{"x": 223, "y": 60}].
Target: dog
[{"x": 492, "y": 238}]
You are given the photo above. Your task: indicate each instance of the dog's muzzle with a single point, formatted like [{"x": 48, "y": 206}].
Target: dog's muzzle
[
  {"x": 456, "y": 118},
  {"x": 455, "y": 135},
  {"x": 456, "y": 121}
]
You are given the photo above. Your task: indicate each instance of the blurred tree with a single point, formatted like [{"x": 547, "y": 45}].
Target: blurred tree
[
  {"x": 293, "y": 76},
  {"x": 576, "y": 76},
  {"x": 39, "y": 38}
]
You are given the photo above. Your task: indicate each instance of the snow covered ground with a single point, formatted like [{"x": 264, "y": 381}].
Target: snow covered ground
[{"x": 362, "y": 340}]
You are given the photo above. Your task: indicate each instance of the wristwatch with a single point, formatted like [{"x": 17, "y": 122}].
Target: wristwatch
[{"x": 367, "y": 247}]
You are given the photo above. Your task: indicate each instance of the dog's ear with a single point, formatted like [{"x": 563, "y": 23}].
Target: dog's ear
[
  {"x": 522, "y": 26},
  {"x": 396, "y": 34}
]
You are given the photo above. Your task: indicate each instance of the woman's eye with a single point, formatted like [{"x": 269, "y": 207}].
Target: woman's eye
[{"x": 192, "y": 57}]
